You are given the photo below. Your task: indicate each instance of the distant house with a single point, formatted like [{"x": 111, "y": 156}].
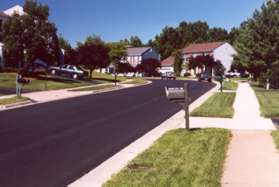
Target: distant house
[
  {"x": 3, "y": 17},
  {"x": 167, "y": 65},
  {"x": 17, "y": 9},
  {"x": 221, "y": 51},
  {"x": 136, "y": 56}
]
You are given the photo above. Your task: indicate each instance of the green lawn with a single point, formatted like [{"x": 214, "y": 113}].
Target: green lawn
[
  {"x": 12, "y": 100},
  {"x": 218, "y": 105},
  {"x": 179, "y": 158},
  {"x": 94, "y": 88},
  {"x": 7, "y": 80},
  {"x": 275, "y": 135},
  {"x": 230, "y": 85},
  {"x": 240, "y": 79},
  {"x": 106, "y": 77},
  {"x": 137, "y": 81},
  {"x": 269, "y": 101}
]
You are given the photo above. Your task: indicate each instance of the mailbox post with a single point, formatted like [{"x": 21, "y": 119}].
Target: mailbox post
[
  {"x": 181, "y": 96},
  {"x": 186, "y": 106}
]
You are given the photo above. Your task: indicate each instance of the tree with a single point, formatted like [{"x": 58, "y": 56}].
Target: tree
[
  {"x": 172, "y": 39},
  {"x": 118, "y": 53},
  {"x": 64, "y": 44},
  {"x": 13, "y": 40},
  {"x": 178, "y": 61},
  {"x": 70, "y": 54},
  {"x": 135, "y": 41},
  {"x": 125, "y": 68},
  {"x": 257, "y": 44},
  {"x": 149, "y": 67},
  {"x": 93, "y": 53},
  {"x": 204, "y": 61},
  {"x": 167, "y": 42},
  {"x": 31, "y": 36},
  {"x": 217, "y": 34},
  {"x": 233, "y": 35}
]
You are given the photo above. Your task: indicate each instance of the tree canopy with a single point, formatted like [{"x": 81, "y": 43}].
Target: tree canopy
[
  {"x": 93, "y": 53},
  {"x": 257, "y": 43},
  {"x": 135, "y": 41},
  {"x": 31, "y": 36},
  {"x": 172, "y": 39},
  {"x": 178, "y": 61}
]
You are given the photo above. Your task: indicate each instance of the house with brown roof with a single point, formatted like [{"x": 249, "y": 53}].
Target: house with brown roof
[{"x": 221, "y": 51}]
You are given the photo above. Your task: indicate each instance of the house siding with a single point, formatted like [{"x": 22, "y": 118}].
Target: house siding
[
  {"x": 151, "y": 54},
  {"x": 135, "y": 60},
  {"x": 225, "y": 54}
]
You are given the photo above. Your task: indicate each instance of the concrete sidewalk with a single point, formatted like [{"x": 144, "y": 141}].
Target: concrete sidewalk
[
  {"x": 253, "y": 159},
  {"x": 246, "y": 117}
]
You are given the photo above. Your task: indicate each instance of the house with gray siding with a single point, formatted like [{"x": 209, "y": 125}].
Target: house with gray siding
[{"x": 136, "y": 55}]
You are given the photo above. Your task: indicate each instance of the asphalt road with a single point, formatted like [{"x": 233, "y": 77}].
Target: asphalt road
[{"x": 53, "y": 144}]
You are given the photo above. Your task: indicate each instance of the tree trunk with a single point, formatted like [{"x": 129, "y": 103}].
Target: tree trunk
[{"x": 91, "y": 73}]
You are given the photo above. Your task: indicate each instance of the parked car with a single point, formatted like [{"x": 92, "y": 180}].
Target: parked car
[
  {"x": 168, "y": 75},
  {"x": 204, "y": 77},
  {"x": 232, "y": 74},
  {"x": 130, "y": 75},
  {"x": 68, "y": 70}
]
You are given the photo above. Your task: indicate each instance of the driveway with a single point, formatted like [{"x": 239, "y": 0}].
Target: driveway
[{"x": 53, "y": 144}]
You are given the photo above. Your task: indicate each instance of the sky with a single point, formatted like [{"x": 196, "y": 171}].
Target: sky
[{"x": 113, "y": 20}]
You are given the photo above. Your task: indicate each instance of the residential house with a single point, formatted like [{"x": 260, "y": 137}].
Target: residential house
[
  {"x": 167, "y": 65},
  {"x": 136, "y": 55},
  {"x": 221, "y": 51}
]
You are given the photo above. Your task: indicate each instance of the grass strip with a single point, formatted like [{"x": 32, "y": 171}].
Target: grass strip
[
  {"x": 230, "y": 85},
  {"x": 94, "y": 88},
  {"x": 178, "y": 158},
  {"x": 269, "y": 102},
  {"x": 219, "y": 105},
  {"x": 12, "y": 100}
]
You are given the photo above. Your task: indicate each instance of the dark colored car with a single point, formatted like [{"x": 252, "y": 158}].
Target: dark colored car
[
  {"x": 204, "y": 77},
  {"x": 69, "y": 71},
  {"x": 168, "y": 75}
]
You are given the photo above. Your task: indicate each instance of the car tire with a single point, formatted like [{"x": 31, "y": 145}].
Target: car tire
[
  {"x": 53, "y": 72},
  {"x": 75, "y": 76}
]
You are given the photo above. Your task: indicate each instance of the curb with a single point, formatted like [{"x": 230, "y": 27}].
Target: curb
[
  {"x": 102, "y": 173},
  {"x": 14, "y": 105}
]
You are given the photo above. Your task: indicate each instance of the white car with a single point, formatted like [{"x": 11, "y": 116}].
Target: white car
[{"x": 130, "y": 75}]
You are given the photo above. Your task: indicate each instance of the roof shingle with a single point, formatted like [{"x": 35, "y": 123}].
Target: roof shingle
[
  {"x": 137, "y": 51},
  {"x": 202, "y": 47},
  {"x": 2, "y": 14},
  {"x": 168, "y": 61}
]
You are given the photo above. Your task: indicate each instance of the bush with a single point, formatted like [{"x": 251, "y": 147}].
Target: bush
[
  {"x": 125, "y": 68},
  {"x": 149, "y": 67}
]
